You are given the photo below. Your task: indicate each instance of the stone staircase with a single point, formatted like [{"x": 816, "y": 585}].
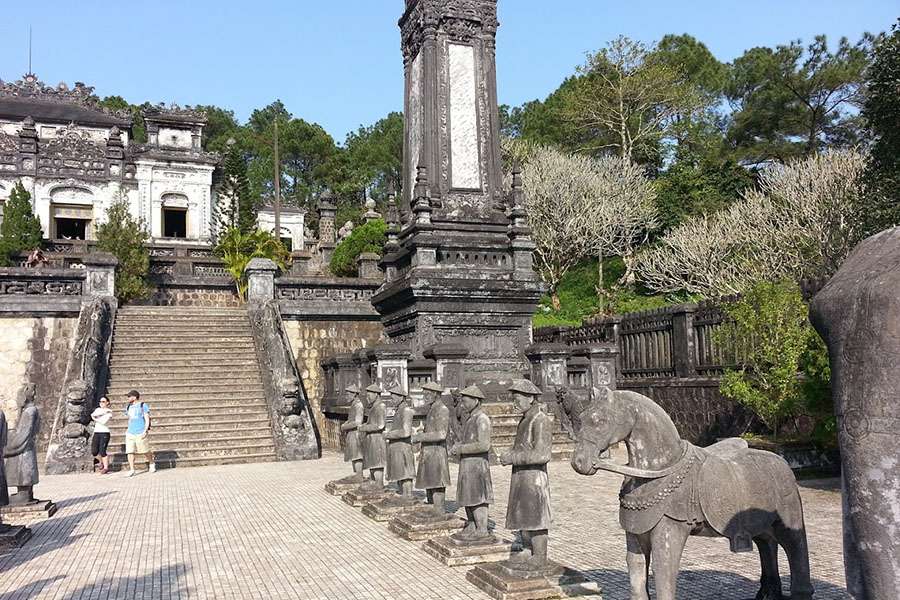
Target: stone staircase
[
  {"x": 197, "y": 370},
  {"x": 505, "y": 420}
]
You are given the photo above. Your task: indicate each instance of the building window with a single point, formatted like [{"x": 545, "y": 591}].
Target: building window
[
  {"x": 71, "y": 229},
  {"x": 288, "y": 243},
  {"x": 174, "y": 221}
]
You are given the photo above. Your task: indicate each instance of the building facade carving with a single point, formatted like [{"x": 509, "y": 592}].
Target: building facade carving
[{"x": 77, "y": 158}]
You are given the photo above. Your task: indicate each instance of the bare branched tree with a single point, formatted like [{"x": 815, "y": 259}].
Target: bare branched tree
[
  {"x": 801, "y": 223},
  {"x": 629, "y": 98},
  {"x": 580, "y": 206}
]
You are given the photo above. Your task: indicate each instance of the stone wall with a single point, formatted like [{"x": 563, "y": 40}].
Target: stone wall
[
  {"x": 314, "y": 340},
  {"x": 217, "y": 296},
  {"x": 36, "y": 350}
]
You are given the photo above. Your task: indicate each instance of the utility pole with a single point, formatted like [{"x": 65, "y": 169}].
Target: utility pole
[{"x": 277, "y": 186}]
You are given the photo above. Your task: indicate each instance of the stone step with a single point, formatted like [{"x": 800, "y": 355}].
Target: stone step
[
  {"x": 177, "y": 411},
  {"x": 181, "y": 334},
  {"x": 181, "y": 310},
  {"x": 194, "y": 346},
  {"x": 181, "y": 451},
  {"x": 118, "y": 462},
  {"x": 198, "y": 439},
  {"x": 507, "y": 440},
  {"x": 212, "y": 398},
  {"x": 152, "y": 377},
  {"x": 164, "y": 389},
  {"x": 205, "y": 421},
  {"x": 176, "y": 425},
  {"x": 189, "y": 339},
  {"x": 209, "y": 364},
  {"x": 151, "y": 355}
]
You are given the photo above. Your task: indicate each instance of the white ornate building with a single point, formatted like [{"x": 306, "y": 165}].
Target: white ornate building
[{"x": 76, "y": 158}]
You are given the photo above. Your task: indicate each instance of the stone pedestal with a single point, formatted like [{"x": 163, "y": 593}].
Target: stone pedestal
[
  {"x": 509, "y": 581},
  {"x": 339, "y": 487},
  {"x": 39, "y": 509},
  {"x": 454, "y": 553},
  {"x": 13, "y": 536},
  {"x": 387, "y": 509},
  {"x": 425, "y": 523},
  {"x": 366, "y": 494}
]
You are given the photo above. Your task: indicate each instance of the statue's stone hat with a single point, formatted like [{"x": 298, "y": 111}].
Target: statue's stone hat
[
  {"x": 374, "y": 388},
  {"x": 397, "y": 391},
  {"x": 433, "y": 386},
  {"x": 473, "y": 392},
  {"x": 523, "y": 386},
  {"x": 352, "y": 389}
]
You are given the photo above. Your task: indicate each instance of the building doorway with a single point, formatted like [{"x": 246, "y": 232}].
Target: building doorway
[
  {"x": 71, "y": 222},
  {"x": 174, "y": 221}
]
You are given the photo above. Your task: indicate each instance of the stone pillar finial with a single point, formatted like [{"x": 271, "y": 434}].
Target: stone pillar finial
[
  {"x": 261, "y": 280},
  {"x": 422, "y": 205},
  {"x": 368, "y": 265},
  {"x": 327, "y": 211},
  {"x": 100, "y": 280}
]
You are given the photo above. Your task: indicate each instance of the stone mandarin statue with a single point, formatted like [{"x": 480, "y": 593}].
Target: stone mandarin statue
[
  {"x": 528, "y": 509},
  {"x": 352, "y": 448},
  {"x": 374, "y": 450},
  {"x": 474, "y": 489},
  {"x": 401, "y": 463},
  {"x": 20, "y": 455},
  {"x": 433, "y": 474}
]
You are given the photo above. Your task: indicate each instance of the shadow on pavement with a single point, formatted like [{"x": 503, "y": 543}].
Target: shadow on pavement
[{"x": 165, "y": 582}]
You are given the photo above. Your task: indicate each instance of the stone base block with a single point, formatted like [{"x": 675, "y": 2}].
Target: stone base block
[
  {"x": 512, "y": 581},
  {"x": 39, "y": 509},
  {"x": 13, "y": 536},
  {"x": 366, "y": 494},
  {"x": 387, "y": 509},
  {"x": 454, "y": 553},
  {"x": 339, "y": 487},
  {"x": 425, "y": 523}
]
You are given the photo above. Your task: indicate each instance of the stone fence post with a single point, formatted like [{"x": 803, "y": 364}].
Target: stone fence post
[
  {"x": 261, "y": 280},
  {"x": 100, "y": 276},
  {"x": 683, "y": 345},
  {"x": 368, "y": 265},
  {"x": 548, "y": 367}
]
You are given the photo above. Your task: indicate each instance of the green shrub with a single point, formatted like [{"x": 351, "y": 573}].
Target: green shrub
[
  {"x": 776, "y": 341},
  {"x": 125, "y": 237},
  {"x": 21, "y": 229},
  {"x": 237, "y": 249},
  {"x": 369, "y": 237}
]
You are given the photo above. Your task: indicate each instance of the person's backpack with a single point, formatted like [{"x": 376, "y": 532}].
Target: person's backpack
[{"x": 143, "y": 404}]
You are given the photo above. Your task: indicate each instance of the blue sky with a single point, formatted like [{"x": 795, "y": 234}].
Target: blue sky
[{"x": 338, "y": 63}]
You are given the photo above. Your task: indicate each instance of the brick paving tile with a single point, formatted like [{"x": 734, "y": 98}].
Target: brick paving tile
[{"x": 269, "y": 531}]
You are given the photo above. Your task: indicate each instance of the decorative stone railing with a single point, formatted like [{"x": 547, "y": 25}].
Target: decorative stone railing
[
  {"x": 326, "y": 298},
  {"x": 51, "y": 291}
]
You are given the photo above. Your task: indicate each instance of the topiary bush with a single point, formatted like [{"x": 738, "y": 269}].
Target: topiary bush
[
  {"x": 369, "y": 237},
  {"x": 21, "y": 229}
]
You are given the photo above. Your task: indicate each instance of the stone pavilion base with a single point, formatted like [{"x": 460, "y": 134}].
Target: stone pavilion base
[
  {"x": 425, "y": 523},
  {"x": 366, "y": 494},
  {"x": 339, "y": 487},
  {"x": 39, "y": 509},
  {"x": 13, "y": 536},
  {"x": 454, "y": 553},
  {"x": 387, "y": 509},
  {"x": 512, "y": 581}
]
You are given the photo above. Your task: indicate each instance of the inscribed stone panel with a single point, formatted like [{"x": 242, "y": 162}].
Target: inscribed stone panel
[{"x": 463, "y": 118}]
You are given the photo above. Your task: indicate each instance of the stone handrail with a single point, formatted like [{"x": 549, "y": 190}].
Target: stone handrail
[{"x": 49, "y": 291}]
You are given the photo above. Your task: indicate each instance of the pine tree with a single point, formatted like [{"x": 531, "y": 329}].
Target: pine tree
[
  {"x": 21, "y": 229},
  {"x": 233, "y": 207},
  {"x": 126, "y": 237}
]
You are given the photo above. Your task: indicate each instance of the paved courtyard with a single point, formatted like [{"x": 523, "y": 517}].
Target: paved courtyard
[{"x": 270, "y": 531}]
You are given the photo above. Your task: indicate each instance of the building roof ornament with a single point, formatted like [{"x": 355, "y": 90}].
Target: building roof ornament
[{"x": 32, "y": 88}]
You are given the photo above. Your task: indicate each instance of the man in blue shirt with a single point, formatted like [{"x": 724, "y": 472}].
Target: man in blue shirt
[{"x": 136, "y": 441}]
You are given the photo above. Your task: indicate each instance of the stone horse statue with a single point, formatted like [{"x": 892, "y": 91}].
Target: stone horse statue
[{"x": 673, "y": 490}]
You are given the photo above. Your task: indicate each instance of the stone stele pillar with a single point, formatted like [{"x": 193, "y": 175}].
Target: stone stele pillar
[
  {"x": 455, "y": 261},
  {"x": 858, "y": 315}
]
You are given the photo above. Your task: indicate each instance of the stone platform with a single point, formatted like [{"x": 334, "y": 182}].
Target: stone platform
[
  {"x": 454, "y": 553},
  {"x": 13, "y": 536},
  {"x": 39, "y": 509},
  {"x": 425, "y": 524},
  {"x": 387, "y": 509},
  {"x": 365, "y": 494},
  {"x": 509, "y": 581},
  {"x": 339, "y": 487}
]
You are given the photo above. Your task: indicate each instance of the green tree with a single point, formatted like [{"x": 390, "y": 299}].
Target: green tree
[
  {"x": 771, "y": 334},
  {"x": 691, "y": 188},
  {"x": 369, "y": 237},
  {"x": 126, "y": 237},
  {"x": 375, "y": 156},
  {"x": 881, "y": 205},
  {"x": 138, "y": 129},
  {"x": 221, "y": 126},
  {"x": 237, "y": 249},
  {"x": 234, "y": 205},
  {"x": 20, "y": 230},
  {"x": 792, "y": 101}
]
